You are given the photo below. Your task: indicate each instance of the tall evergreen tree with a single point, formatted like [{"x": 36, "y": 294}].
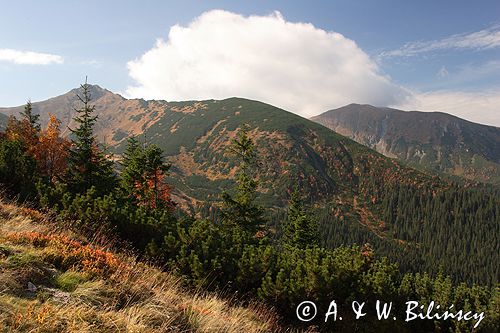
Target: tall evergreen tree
[
  {"x": 88, "y": 166},
  {"x": 155, "y": 170},
  {"x": 241, "y": 209},
  {"x": 32, "y": 119},
  {"x": 131, "y": 166},
  {"x": 300, "y": 230}
]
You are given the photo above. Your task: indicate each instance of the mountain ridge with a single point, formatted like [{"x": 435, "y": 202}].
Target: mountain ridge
[
  {"x": 191, "y": 132},
  {"x": 358, "y": 195},
  {"x": 435, "y": 140}
]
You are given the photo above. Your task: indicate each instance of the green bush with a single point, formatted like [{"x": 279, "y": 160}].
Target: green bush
[{"x": 17, "y": 169}]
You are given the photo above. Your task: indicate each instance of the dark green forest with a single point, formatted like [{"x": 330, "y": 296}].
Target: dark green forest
[
  {"x": 460, "y": 226},
  {"x": 238, "y": 246}
]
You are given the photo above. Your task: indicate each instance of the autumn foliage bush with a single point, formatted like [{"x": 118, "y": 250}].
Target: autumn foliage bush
[{"x": 67, "y": 254}]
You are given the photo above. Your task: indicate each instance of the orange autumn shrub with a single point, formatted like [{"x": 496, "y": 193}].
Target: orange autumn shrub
[
  {"x": 33, "y": 214},
  {"x": 67, "y": 254}
]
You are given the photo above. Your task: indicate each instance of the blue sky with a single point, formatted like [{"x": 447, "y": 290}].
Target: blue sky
[{"x": 429, "y": 55}]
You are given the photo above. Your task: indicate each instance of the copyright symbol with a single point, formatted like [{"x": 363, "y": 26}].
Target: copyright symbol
[{"x": 306, "y": 311}]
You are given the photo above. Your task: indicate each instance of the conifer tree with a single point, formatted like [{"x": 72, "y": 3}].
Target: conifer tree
[
  {"x": 241, "y": 210},
  {"x": 143, "y": 175},
  {"x": 32, "y": 119},
  {"x": 131, "y": 166},
  {"x": 88, "y": 165},
  {"x": 300, "y": 230},
  {"x": 155, "y": 170},
  {"x": 17, "y": 169}
]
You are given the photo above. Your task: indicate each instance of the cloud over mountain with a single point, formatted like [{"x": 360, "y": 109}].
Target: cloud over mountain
[
  {"x": 482, "y": 107},
  {"x": 295, "y": 66}
]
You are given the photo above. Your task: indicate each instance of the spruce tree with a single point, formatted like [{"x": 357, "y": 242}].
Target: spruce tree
[
  {"x": 241, "y": 209},
  {"x": 131, "y": 166},
  {"x": 155, "y": 170},
  {"x": 143, "y": 174},
  {"x": 17, "y": 169},
  {"x": 32, "y": 119},
  {"x": 300, "y": 230},
  {"x": 88, "y": 165}
]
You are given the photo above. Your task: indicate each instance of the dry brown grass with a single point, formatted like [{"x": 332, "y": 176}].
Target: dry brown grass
[{"x": 109, "y": 292}]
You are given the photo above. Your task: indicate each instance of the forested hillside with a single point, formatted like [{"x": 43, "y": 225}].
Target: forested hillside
[{"x": 240, "y": 196}]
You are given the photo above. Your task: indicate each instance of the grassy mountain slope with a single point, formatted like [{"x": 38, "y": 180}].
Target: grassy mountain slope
[
  {"x": 110, "y": 108},
  {"x": 359, "y": 194},
  {"x": 435, "y": 140},
  {"x": 195, "y": 135},
  {"x": 57, "y": 281}
]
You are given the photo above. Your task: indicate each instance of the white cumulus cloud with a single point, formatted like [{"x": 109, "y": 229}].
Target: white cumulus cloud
[
  {"x": 481, "y": 107},
  {"x": 295, "y": 66},
  {"x": 29, "y": 57}
]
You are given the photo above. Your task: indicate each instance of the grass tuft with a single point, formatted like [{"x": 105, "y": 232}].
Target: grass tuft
[
  {"x": 83, "y": 287},
  {"x": 69, "y": 280}
]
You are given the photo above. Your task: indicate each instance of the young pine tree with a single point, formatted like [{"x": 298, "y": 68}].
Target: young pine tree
[
  {"x": 17, "y": 152},
  {"x": 17, "y": 169},
  {"x": 32, "y": 119},
  {"x": 143, "y": 176},
  {"x": 300, "y": 230},
  {"x": 88, "y": 166},
  {"x": 155, "y": 171},
  {"x": 241, "y": 209},
  {"x": 131, "y": 167}
]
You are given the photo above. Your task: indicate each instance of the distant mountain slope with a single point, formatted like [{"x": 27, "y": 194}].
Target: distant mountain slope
[
  {"x": 357, "y": 194},
  {"x": 3, "y": 121},
  {"x": 435, "y": 140},
  {"x": 115, "y": 113},
  {"x": 195, "y": 134}
]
